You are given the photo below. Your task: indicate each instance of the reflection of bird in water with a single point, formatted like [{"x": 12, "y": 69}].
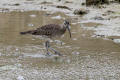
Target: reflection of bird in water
[{"x": 50, "y": 30}]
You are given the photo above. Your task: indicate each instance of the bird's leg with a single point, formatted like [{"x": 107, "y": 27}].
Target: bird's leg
[
  {"x": 47, "y": 45},
  {"x": 56, "y": 52},
  {"x": 61, "y": 43}
]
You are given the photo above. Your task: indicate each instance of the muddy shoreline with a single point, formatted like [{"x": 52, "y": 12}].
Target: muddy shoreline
[
  {"x": 24, "y": 56},
  {"x": 92, "y": 53}
]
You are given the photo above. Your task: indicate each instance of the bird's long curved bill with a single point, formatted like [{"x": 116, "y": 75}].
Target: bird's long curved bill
[{"x": 69, "y": 32}]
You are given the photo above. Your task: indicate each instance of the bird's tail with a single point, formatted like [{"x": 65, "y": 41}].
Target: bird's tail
[{"x": 26, "y": 32}]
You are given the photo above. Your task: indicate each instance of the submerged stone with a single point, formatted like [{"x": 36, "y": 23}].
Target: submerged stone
[
  {"x": 96, "y": 2},
  {"x": 63, "y": 7},
  {"x": 98, "y": 18},
  {"x": 80, "y": 11}
]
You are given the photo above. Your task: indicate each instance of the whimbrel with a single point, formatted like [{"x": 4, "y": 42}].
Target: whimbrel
[{"x": 50, "y": 30}]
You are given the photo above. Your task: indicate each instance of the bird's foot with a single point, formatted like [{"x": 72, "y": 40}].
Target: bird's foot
[
  {"x": 55, "y": 52},
  {"x": 48, "y": 54},
  {"x": 58, "y": 53}
]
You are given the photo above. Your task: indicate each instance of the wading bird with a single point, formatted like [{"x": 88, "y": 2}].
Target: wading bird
[{"x": 50, "y": 30}]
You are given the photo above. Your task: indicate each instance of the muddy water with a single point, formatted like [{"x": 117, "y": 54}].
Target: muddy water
[{"x": 23, "y": 57}]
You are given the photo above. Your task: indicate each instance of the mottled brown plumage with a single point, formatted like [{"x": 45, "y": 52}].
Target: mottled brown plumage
[{"x": 50, "y": 30}]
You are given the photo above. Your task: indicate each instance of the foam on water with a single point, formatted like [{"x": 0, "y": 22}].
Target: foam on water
[
  {"x": 8, "y": 67},
  {"x": 74, "y": 38},
  {"x": 33, "y": 15},
  {"x": 110, "y": 25},
  {"x": 20, "y": 77},
  {"x": 30, "y": 25},
  {"x": 116, "y": 40},
  {"x": 0, "y": 54},
  {"x": 56, "y": 17},
  {"x": 33, "y": 55}
]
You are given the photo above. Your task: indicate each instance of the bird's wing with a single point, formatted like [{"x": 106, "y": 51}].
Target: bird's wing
[
  {"x": 50, "y": 27},
  {"x": 47, "y": 30}
]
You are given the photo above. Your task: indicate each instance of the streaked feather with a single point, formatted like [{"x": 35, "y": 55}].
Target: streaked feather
[{"x": 47, "y": 30}]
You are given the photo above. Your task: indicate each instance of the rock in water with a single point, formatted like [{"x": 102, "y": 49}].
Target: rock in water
[
  {"x": 96, "y": 2},
  {"x": 80, "y": 11}
]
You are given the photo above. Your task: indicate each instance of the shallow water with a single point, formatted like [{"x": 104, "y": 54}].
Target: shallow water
[{"x": 23, "y": 57}]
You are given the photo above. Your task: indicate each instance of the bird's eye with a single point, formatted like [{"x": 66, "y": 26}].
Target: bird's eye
[{"x": 66, "y": 22}]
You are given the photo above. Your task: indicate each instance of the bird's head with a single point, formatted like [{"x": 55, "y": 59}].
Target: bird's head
[{"x": 67, "y": 26}]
